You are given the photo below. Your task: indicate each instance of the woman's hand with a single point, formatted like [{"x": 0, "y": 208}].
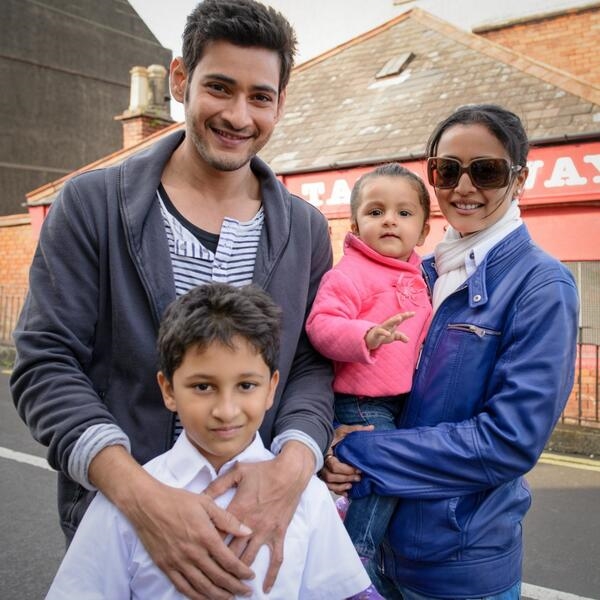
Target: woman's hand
[{"x": 339, "y": 476}]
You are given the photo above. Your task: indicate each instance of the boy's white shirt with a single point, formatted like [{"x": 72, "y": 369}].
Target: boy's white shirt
[{"x": 106, "y": 560}]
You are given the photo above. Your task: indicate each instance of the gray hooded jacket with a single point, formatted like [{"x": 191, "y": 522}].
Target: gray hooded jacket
[{"x": 99, "y": 283}]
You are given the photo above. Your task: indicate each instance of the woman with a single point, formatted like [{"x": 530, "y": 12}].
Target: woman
[{"x": 494, "y": 375}]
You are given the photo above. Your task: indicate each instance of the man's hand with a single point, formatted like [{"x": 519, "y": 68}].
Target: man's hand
[
  {"x": 339, "y": 476},
  {"x": 385, "y": 333},
  {"x": 267, "y": 496},
  {"x": 179, "y": 529}
]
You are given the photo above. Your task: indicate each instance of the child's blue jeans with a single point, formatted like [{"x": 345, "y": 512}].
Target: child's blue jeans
[{"x": 368, "y": 517}]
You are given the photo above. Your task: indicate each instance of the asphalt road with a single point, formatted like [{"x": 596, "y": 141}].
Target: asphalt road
[{"x": 562, "y": 530}]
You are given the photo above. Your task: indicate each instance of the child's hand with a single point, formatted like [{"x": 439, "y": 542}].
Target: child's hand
[{"x": 386, "y": 333}]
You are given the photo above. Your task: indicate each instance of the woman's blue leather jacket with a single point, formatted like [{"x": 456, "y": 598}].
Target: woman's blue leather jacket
[{"x": 494, "y": 375}]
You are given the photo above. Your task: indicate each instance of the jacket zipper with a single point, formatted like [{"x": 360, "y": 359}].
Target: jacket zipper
[{"x": 478, "y": 331}]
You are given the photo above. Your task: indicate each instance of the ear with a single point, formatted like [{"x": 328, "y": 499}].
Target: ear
[
  {"x": 520, "y": 181},
  {"x": 354, "y": 227},
  {"x": 280, "y": 105},
  {"x": 178, "y": 79},
  {"x": 166, "y": 389},
  {"x": 272, "y": 389},
  {"x": 424, "y": 234}
]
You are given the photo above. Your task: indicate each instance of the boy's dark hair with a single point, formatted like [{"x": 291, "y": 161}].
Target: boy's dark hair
[
  {"x": 502, "y": 123},
  {"x": 391, "y": 170},
  {"x": 244, "y": 23},
  {"x": 218, "y": 312}
]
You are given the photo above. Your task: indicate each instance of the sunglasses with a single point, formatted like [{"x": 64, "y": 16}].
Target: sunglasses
[{"x": 485, "y": 173}]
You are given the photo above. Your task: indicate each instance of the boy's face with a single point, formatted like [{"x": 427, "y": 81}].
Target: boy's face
[
  {"x": 221, "y": 395},
  {"x": 232, "y": 102}
]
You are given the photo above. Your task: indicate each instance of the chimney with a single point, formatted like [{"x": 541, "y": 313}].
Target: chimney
[{"x": 148, "y": 110}]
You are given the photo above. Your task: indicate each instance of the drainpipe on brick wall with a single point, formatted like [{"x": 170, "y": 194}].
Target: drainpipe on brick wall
[{"x": 148, "y": 110}]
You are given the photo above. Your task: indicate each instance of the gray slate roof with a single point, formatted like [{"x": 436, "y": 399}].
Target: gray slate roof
[{"x": 338, "y": 114}]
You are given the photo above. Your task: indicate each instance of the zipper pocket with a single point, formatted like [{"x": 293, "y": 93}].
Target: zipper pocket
[{"x": 469, "y": 328}]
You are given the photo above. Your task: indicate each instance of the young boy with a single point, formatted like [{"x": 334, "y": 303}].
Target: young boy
[{"x": 218, "y": 351}]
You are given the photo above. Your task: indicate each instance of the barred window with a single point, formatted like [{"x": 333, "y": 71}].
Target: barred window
[{"x": 587, "y": 276}]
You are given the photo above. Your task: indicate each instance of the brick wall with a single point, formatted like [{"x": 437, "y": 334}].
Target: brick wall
[
  {"x": 17, "y": 245},
  {"x": 568, "y": 41},
  {"x": 584, "y": 404},
  {"x": 338, "y": 229}
]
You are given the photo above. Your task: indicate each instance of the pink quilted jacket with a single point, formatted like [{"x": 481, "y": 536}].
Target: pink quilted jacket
[{"x": 363, "y": 290}]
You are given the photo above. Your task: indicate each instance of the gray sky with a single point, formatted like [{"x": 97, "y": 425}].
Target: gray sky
[{"x": 323, "y": 24}]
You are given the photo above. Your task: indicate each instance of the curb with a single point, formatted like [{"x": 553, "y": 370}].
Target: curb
[{"x": 575, "y": 439}]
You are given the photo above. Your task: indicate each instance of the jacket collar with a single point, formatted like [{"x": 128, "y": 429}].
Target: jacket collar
[
  {"x": 137, "y": 183},
  {"x": 277, "y": 205},
  {"x": 140, "y": 176},
  {"x": 353, "y": 244},
  {"x": 512, "y": 245},
  {"x": 138, "y": 180}
]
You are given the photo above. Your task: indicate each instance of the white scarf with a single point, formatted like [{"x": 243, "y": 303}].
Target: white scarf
[{"x": 452, "y": 252}]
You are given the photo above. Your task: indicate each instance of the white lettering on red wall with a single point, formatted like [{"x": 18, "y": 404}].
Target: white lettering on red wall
[{"x": 567, "y": 173}]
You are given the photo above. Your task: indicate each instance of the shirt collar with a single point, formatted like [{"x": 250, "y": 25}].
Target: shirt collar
[{"x": 185, "y": 463}]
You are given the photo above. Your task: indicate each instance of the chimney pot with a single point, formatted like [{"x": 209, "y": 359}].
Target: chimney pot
[
  {"x": 148, "y": 110},
  {"x": 157, "y": 76},
  {"x": 138, "y": 99}
]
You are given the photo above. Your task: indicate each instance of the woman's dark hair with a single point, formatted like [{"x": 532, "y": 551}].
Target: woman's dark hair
[
  {"x": 218, "y": 312},
  {"x": 244, "y": 23},
  {"x": 391, "y": 170},
  {"x": 502, "y": 123}
]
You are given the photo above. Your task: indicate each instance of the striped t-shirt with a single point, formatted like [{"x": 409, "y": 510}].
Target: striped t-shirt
[{"x": 230, "y": 260}]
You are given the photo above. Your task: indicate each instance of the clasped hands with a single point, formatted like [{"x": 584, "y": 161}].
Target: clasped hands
[{"x": 184, "y": 532}]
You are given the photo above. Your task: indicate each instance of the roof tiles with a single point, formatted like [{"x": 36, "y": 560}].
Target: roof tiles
[{"x": 338, "y": 114}]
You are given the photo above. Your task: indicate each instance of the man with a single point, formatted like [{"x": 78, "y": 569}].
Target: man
[{"x": 118, "y": 246}]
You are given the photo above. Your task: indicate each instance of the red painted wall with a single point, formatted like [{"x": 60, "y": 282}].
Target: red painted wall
[{"x": 560, "y": 204}]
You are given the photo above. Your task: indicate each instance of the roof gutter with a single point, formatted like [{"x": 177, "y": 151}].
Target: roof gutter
[
  {"x": 566, "y": 138},
  {"x": 342, "y": 165}
]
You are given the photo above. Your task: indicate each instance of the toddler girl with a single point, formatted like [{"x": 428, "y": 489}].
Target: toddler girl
[{"x": 376, "y": 286}]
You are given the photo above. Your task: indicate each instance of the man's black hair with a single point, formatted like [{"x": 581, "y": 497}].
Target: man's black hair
[{"x": 244, "y": 23}]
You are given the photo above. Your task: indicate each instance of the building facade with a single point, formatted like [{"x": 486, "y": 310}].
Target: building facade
[
  {"x": 567, "y": 39},
  {"x": 65, "y": 75}
]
